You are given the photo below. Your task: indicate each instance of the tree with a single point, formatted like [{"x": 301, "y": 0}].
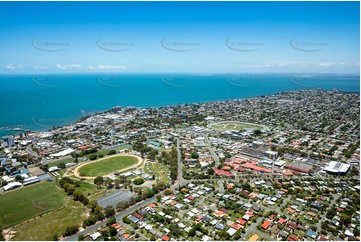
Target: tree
[
  {"x": 64, "y": 181},
  {"x": 194, "y": 155},
  {"x": 78, "y": 196},
  {"x": 111, "y": 221},
  {"x": 152, "y": 154},
  {"x": 1, "y": 235},
  {"x": 126, "y": 220},
  {"x": 93, "y": 157},
  {"x": 98, "y": 180},
  {"x": 61, "y": 165},
  {"x": 19, "y": 178},
  {"x": 89, "y": 221},
  {"x": 70, "y": 230},
  {"x": 159, "y": 197},
  {"x": 81, "y": 237},
  {"x": 112, "y": 152},
  {"x": 257, "y": 132},
  {"x": 108, "y": 182},
  {"x": 112, "y": 231},
  {"x": 138, "y": 181},
  {"x": 69, "y": 189},
  {"x": 44, "y": 167},
  {"x": 168, "y": 192},
  {"x": 109, "y": 211},
  {"x": 122, "y": 205},
  {"x": 210, "y": 172},
  {"x": 117, "y": 183},
  {"x": 175, "y": 229},
  {"x": 354, "y": 171},
  {"x": 192, "y": 232}
]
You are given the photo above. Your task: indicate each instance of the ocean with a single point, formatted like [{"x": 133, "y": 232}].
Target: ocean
[{"x": 38, "y": 102}]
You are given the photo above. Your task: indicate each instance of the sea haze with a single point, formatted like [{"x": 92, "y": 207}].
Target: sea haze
[{"x": 40, "y": 101}]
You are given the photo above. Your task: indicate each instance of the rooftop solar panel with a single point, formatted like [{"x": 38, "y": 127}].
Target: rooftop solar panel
[{"x": 338, "y": 165}]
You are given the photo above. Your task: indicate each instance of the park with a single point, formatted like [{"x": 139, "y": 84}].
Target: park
[
  {"x": 235, "y": 125},
  {"x": 27, "y": 202},
  {"x": 107, "y": 165}
]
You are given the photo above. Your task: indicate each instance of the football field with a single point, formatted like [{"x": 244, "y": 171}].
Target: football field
[{"x": 27, "y": 202}]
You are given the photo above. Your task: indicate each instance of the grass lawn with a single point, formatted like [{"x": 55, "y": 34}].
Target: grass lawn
[
  {"x": 87, "y": 188},
  {"x": 166, "y": 150},
  {"x": 55, "y": 222},
  {"x": 27, "y": 202},
  {"x": 107, "y": 166},
  {"x": 235, "y": 126},
  {"x": 99, "y": 194},
  {"x": 160, "y": 171}
]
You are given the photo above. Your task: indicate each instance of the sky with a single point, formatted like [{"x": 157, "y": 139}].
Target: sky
[{"x": 179, "y": 37}]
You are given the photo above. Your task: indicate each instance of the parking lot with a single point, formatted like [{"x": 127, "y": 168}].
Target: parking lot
[{"x": 114, "y": 198}]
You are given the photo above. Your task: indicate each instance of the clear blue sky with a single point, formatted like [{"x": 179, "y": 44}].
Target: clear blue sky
[{"x": 188, "y": 37}]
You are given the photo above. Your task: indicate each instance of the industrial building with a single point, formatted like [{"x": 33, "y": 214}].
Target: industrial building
[{"x": 337, "y": 168}]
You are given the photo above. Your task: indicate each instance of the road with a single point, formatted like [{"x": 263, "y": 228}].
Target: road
[
  {"x": 323, "y": 218},
  {"x": 180, "y": 164},
  {"x": 118, "y": 216},
  {"x": 135, "y": 207},
  {"x": 181, "y": 181},
  {"x": 213, "y": 154},
  {"x": 31, "y": 152},
  {"x": 252, "y": 229},
  {"x": 126, "y": 226}
]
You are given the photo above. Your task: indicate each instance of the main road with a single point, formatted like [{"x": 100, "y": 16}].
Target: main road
[
  {"x": 213, "y": 154},
  {"x": 180, "y": 165},
  {"x": 118, "y": 216}
]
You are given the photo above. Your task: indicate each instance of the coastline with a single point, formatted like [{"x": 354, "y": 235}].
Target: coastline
[
  {"x": 65, "y": 102},
  {"x": 79, "y": 120}
]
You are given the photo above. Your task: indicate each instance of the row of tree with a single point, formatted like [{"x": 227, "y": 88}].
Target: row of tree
[{"x": 70, "y": 187}]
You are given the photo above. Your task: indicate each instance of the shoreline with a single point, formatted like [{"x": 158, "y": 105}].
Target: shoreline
[{"x": 79, "y": 120}]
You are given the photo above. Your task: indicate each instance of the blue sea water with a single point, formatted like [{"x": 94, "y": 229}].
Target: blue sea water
[{"x": 37, "y": 102}]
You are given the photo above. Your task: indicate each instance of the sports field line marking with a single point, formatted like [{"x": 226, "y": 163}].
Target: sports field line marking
[{"x": 39, "y": 207}]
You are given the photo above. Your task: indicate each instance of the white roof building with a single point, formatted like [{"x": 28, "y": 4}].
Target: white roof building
[
  {"x": 280, "y": 163},
  {"x": 62, "y": 153},
  {"x": 95, "y": 236},
  {"x": 337, "y": 168},
  {"x": 53, "y": 168},
  {"x": 12, "y": 185}
]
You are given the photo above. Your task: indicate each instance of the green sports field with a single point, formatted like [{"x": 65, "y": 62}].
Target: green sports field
[
  {"x": 108, "y": 165},
  {"x": 53, "y": 223},
  {"x": 235, "y": 126},
  {"x": 25, "y": 203}
]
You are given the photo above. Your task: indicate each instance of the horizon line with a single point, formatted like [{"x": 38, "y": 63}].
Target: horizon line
[{"x": 184, "y": 73}]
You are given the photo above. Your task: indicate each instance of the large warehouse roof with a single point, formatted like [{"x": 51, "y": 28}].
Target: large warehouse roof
[{"x": 337, "y": 167}]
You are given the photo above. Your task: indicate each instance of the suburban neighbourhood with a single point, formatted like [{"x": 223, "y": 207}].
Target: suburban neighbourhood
[{"x": 279, "y": 167}]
